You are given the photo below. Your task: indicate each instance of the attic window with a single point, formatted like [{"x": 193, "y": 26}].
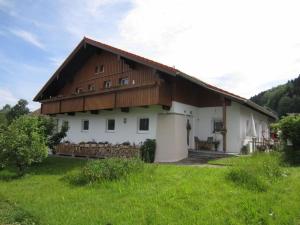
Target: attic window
[
  {"x": 123, "y": 81},
  {"x": 99, "y": 69},
  {"x": 78, "y": 90},
  {"x": 91, "y": 87},
  {"x": 107, "y": 84}
]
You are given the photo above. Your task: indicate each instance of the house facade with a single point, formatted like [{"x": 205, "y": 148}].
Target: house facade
[{"x": 107, "y": 94}]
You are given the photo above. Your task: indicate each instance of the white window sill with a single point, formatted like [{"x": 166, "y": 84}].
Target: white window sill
[
  {"x": 143, "y": 131},
  {"x": 110, "y": 131}
]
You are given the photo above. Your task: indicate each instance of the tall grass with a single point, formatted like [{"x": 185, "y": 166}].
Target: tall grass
[{"x": 257, "y": 172}]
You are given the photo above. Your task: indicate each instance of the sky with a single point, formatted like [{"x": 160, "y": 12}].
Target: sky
[{"x": 242, "y": 46}]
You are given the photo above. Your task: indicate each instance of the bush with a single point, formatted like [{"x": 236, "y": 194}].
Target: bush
[
  {"x": 148, "y": 150},
  {"x": 256, "y": 172},
  {"x": 52, "y": 133},
  {"x": 23, "y": 143},
  {"x": 289, "y": 127},
  {"x": 105, "y": 169}
]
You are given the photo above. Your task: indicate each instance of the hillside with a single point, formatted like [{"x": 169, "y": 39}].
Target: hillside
[{"x": 282, "y": 99}]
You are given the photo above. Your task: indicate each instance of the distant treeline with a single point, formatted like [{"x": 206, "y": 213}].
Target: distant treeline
[{"x": 282, "y": 99}]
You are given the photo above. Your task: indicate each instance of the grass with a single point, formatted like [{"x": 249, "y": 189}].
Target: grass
[{"x": 161, "y": 194}]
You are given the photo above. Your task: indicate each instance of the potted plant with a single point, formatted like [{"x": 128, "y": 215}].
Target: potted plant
[{"x": 216, "y": 144}]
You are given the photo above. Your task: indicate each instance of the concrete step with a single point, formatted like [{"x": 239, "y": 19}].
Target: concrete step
[{"x": 207, "y": 155}]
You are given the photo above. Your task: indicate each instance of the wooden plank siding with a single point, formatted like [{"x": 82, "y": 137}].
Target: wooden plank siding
[
  {"x": 146, "y": 86},
  {"x": 50, "y": 108},
  {"x": 187, "y": 92},
  {"x": 114, "y": 69},
  {"x": 137, "y": 97},
  {"x": 149, "y": 95},
  {"x": 101, "y": 101},
  {"x": 72, "y": 105}
]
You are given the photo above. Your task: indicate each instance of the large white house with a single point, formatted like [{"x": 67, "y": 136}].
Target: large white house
[{"x": 107, "y": 94}]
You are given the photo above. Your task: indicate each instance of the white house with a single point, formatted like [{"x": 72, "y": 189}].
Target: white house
[{"x": 107, "y": 94}]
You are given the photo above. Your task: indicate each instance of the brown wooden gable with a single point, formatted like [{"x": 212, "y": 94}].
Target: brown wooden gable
[
  {"x": 115, "y": 68},
  {"x": 149, "y": 83}
]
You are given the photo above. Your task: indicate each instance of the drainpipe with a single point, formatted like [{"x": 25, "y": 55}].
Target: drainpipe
[{"x": 224, "y": 124}]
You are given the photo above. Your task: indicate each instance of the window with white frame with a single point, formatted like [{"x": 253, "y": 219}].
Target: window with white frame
[
  {"x": 143, "y": 125},
  {"x": 85, "y": 125},
  {"x": 91, "y": 87},
  {"x": 99, "y": 69},
  {"x": 107, "y": 84},
  {"x": 124, "y": 81},
  {"x": 110, "y": 125},
  {"x": 217, "y": 125}
]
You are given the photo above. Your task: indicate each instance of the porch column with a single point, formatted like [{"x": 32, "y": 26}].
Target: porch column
[{"x": 224, "y": 123}]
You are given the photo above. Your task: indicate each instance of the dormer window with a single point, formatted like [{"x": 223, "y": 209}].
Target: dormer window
[
  {"x": 107, "y": 84},
  {"x": 91, "y": 87},
  {"x": 123, "y": 81},
  {"x": 99, "y": 69}
]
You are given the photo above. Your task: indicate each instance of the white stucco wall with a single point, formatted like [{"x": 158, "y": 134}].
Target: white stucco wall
[
  {"x": 167, "y": 127},
  {"x": 123, "y": 131},
  {"x": 171, "y": 138},
  {"x": 262, "y": 123},
  {"x": 234, "y": 141},
  {"x": 236, "y": 118}
]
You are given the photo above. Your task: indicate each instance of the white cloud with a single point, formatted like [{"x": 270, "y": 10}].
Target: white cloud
[
  {"x": 7, "y": 97},
  {"x": 85, "y": 18},
  {"x": 242, "y": 46},
  {"x": 28, "y": 37}
]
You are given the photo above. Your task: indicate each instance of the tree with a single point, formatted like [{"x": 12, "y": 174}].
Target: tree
[
  {"x": 284, "y": 105},
  {"x": 53, "y": 134},
  {"x": 18, "y": 110},
  {"x": 23, "y": 143},
  {"x": 289, "y": 127},
  {"x": 3, "y": 112}
]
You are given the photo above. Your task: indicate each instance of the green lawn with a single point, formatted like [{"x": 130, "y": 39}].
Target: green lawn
[{"x": 161, "y": 194}]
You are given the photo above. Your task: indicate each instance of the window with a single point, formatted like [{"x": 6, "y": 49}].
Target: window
[
  {"x": 66, "y": 123},
  {"x": 78, "y": 90},
  {"x": 107, "y": 84},
  {"x": 123, "y": 81},
  {"x": 91, "y": 87},
  {"x": 56, "y": 121},
  {"x": 217, "y": 125},
  {"x": 143, "y": 125},
  {"x": 85, "y": 125},
  {"x": 110, "y": 125},
  {"x": 99, "y": 69}
]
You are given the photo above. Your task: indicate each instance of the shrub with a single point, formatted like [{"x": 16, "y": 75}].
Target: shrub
[
  {"x": 23, "y": 143},
  {"x": 256, "y": 172},
  {"x": 148, "y": 150},
  {"x": 106, "y": 169},
  {"x": 245, "y": 150},
  {"x": 52, "y": 133},
  {"x": 289, "y": 127}
]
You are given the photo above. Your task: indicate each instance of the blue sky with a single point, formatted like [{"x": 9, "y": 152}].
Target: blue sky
[
  {"x": 36, "y": 36},
  {"x": 241, "y": 46}
]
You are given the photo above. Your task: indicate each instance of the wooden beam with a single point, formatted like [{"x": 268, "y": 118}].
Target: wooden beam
[
  {"x": 165, "y": 107},
  {"x": 224, "y": 132},
  {"x": 94, "y": 111},
  {"x": 125, "y": 109}
]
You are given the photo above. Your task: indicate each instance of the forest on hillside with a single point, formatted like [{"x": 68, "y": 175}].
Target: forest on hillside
[{"x": 282, "y": 99}]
